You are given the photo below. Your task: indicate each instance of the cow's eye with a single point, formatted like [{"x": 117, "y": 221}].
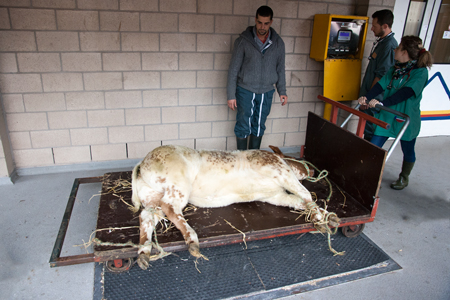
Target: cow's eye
[{"x": 288, "y": 192}]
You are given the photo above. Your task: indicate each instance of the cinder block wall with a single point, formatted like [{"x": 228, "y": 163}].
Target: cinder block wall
[{"x": 103, "y": 80}]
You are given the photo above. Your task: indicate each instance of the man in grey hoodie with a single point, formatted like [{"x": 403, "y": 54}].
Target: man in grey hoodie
[{"x": 257, "y": 64}]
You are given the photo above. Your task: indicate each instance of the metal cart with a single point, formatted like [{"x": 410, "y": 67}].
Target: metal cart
[{"x": 355, "y": 169}]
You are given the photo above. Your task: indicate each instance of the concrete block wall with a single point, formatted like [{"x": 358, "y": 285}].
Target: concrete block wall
[{"x": 104, "y": 80}]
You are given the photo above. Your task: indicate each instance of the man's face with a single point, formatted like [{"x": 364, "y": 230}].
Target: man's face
[
  {"x": 377, "y": 29},
  {"x": 262, "y": 25}
]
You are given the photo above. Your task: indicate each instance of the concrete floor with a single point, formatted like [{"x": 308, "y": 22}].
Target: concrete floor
[{"x": 412, "y": 226}]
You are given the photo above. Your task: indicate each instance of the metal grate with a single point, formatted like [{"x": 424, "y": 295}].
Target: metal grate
[{"x": 231, "y": 271}]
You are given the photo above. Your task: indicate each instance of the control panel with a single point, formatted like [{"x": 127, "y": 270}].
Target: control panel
[{"x": 343, "y": 39}]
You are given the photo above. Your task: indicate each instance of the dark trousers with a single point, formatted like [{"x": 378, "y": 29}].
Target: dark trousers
[
  {"x": 409, "y": 153},
  {"x": 252, "y": 112}
]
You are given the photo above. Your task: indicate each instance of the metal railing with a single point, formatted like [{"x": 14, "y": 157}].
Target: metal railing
[
  {"x": 365, "y": 117},
  {"x": 400, "y": 134}
]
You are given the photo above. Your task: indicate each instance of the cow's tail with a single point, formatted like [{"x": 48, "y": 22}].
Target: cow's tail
[{"x": 135, "y": 197}]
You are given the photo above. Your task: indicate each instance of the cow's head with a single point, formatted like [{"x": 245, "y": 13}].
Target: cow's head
[{"x": 299, "y": 169}]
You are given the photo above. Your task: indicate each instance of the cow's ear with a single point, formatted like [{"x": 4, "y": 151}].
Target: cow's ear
[{"x": 277, "y": 151}]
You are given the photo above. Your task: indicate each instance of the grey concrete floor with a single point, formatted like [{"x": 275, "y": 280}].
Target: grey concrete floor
[{"x": 412, "y": 226}]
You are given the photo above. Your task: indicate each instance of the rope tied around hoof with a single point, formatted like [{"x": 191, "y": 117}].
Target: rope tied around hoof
[
  {"x": 161, "y": 252},
  {"x": 312, "y": 205},
  {"x": 313, "y": 209},
  {"x": 323, "y": 224}
]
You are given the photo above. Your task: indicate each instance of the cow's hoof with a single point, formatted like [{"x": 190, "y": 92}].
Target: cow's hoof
[
  {"x": 143, "y": 261},
  {"x": 321, "y": 227},
  {"x": 334, "y": 221},
  {"x": 194, "y": 249}
]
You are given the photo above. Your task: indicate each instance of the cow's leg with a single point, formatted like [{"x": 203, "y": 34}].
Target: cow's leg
[
  {"x": 290, "y": 192},
  {"x": 175, "y": 214},
  {"x": 317, "y": 214},
  {"x": 294, "y": 194},
  {"x": 286, "y": 198},
  {"x": 148, "y": 219}
]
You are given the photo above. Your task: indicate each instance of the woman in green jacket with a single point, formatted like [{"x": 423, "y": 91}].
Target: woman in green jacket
[{"x": 402, "y": 85}]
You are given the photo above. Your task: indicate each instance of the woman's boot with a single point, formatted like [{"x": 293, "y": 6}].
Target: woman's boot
[
  {"x": 241, "y": 143},
  {"x": 403, "y": 178},
  {"x": 255, "y": 142}
]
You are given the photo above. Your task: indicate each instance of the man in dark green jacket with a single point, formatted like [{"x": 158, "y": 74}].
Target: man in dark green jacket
[
  {"x": 381, "y": 58},
  {"x": 257, "y": 64}
]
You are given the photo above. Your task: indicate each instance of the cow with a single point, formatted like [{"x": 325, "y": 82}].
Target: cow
[{"x": 170, "y": 177}]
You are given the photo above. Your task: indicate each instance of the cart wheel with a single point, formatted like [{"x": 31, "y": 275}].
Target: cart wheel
[
  {"x": 353, "y": 230},
  {"x": 119, "y": 265}
]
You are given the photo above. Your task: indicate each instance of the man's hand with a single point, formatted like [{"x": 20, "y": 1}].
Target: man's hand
[
  {"x": 232, "y": 104},
  {"x": 283, "y": 100}
]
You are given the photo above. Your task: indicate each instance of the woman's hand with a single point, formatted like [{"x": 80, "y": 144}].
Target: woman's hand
[
  {"x": 374, "y": 102},
  {"x": 362, "y": 100},
  {"x": 364, "y": 105}
]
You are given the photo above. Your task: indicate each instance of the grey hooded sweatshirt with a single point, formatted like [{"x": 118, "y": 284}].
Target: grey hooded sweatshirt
[{"x": 255, "y": 70}]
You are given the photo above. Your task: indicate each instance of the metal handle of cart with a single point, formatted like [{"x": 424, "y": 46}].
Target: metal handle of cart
[{"x": 390, "y": 110}]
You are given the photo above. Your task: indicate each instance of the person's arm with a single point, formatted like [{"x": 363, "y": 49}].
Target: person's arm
[
  {"x": 281, "y": 72},
  {"x": 374, "y": 91},
  {"x": 414, "y": 86},
  {"x": 375, "y": 80},
  {"x": 233, "y": 71},
  {"x": 401, "y": 95}
]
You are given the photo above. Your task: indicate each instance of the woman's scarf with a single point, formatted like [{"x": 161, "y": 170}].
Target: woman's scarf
[{"x": 403, "y": 68}]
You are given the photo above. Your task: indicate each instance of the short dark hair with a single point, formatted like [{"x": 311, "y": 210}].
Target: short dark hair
[
  {"x": 384, "y": 16},
  {"x": 264, "y": 11}
]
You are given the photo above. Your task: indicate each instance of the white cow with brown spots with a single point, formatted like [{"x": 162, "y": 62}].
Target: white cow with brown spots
[{"x": 170, "y": 177}]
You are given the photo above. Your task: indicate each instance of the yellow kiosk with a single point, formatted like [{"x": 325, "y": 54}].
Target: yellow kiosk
[{"x": 339, "y": 42}]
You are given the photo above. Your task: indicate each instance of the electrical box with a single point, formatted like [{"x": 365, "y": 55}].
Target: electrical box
[
  {"x": 339, "y": 42},
  {"x": 337, "y": 36}
]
